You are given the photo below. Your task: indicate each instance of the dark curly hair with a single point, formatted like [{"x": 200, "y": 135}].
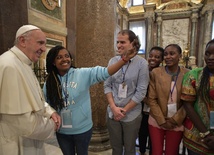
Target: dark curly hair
[
  {"x": 53, "y": 84},
  {"x": 160, "y": 49}
]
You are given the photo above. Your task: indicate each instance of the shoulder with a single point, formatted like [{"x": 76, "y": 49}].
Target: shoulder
[
  {"x": 7, "y": 61},
  {"x": 194, "y": 72},
  {"x": 139, "y": 60},
  {"x": 183, "y": 69},
  {"x": 157, "y": 70},
  {"x": 114, "y": 59},
  {"x": 117, "y": 57}
]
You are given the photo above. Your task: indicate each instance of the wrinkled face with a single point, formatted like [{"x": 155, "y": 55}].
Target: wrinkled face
[
  {"x": 123, "y": 43},
  {"x": 63, "y": 61},
  {"x": 209, "y": 57},
  {"x": 154, "y": 59},
  {"x": 171, "y": 56},
  {"x": 34, "y": 45}
]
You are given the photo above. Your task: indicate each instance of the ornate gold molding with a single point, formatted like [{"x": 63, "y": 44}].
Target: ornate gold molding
[
  {"x": 51, "y": 4},
  {"x": 171, "y": 5}
]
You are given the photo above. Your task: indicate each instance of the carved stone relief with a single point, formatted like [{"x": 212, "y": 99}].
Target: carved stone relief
[
  {"x": 175, "y": 31},
  {"x": 53, "y": 10}
]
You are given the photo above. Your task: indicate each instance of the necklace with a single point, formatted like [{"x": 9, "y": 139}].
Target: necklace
[{"x": 173, "y": 74}]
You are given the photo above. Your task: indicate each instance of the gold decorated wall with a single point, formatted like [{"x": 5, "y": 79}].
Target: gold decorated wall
[{"x": 184, "y": 22}]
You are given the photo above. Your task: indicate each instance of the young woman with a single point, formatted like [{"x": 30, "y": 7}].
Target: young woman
[
  {"x": 154, "y": 60},
  {"x": 67, "y": 91},
  {"x": 198, "y": 100},
  {"x": 166, "y": 111}
]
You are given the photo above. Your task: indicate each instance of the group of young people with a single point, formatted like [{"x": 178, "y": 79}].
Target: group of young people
[
  {"x": 180, "y": 105},
  {"x": 180, "y": 101}
]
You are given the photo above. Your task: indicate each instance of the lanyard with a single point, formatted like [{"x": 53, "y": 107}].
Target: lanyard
[
  {"x": 171, "y": 90},
  {"x": 65, "y": 90},
  {"x": 124, "y": 72}
]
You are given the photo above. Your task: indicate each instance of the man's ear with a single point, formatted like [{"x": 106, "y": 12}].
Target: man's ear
[{"x": 22, "y": 41}]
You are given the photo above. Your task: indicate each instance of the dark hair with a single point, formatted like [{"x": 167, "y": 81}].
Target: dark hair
[
  {"x": 53, "y": 84},
  {"x": 158, "y": 49},
  {"x": 210, "y": 42},
  {"x": 176, "y": 46},
  {"x": 204, "y": 86},
  {"x": 132, "y": 37}
]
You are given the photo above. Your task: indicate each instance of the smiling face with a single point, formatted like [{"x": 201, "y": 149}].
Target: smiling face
[
  {"x": 154, "y": 59},
  {"x": 171, "y": 56},
  {"x": 209, "y": 56},
  {"x": 62, "y": 61},
  {"x": 33, "y": 44},
  {"x": 123, "y": 43}
]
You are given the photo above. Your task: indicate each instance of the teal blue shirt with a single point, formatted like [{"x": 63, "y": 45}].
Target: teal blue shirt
[{"x": 78, "y": 83}]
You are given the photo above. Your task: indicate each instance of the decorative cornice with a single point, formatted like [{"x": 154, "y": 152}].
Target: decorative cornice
[
  {"x": 126, "y": 4},
  {"x": 179, "y": 8},
  {"x": 207, "y": 8},
  {"x": 136, "y": 9}
]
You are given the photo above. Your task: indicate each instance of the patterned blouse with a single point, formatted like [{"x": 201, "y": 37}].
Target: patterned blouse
[{"x": 190, "y": 87}]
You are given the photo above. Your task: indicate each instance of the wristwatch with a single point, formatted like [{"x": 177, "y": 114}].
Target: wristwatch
[{"x": 203, "y": 135}]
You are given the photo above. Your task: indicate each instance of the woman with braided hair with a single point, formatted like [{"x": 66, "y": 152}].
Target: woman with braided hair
[
  {"x": 67, "y": 91},
  {"x": 198, "y": 100}
]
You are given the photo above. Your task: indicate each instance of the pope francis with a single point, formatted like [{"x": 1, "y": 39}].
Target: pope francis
[{"x": 25, "y": 119}]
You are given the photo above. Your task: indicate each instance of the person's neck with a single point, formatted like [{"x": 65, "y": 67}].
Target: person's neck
[
  {"x": 150, "y": 68},
  {"x": 172, "y": 69},
  {"x": 62, "y": 73},
  {"x": 211, "y": 72}
]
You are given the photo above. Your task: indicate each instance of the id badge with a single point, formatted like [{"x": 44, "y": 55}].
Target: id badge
[
  {"x": 211, "y": 119},
  {"x": 66, "y": 118},
  {"x": 172, "y": 109},
  {"x": 122, "y": 91}
]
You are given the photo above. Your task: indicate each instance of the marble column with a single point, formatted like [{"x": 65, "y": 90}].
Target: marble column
[
  {"x": 208, "y": 23},
  {"x": 159, "y": 27},
  {"x": 207, "y": 14},
  {"x": 95, "y": 29},
  {"x": 149, "y": 14},
  {"x": 193, "y": 39}
]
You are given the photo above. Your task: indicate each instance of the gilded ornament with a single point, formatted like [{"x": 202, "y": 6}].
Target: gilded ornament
[{"x": 51, "y": 4}]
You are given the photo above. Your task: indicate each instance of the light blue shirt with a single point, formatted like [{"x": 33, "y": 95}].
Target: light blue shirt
[
  {"x": 78, "y": 84},
  {"x": 136, "y": 78}
]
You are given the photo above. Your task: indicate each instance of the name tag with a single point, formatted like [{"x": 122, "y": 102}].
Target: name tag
[
  {"x": 66, "y": 115},
  {"x": 122, "y": 91},
  {"x": 172, "y": 109}
]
